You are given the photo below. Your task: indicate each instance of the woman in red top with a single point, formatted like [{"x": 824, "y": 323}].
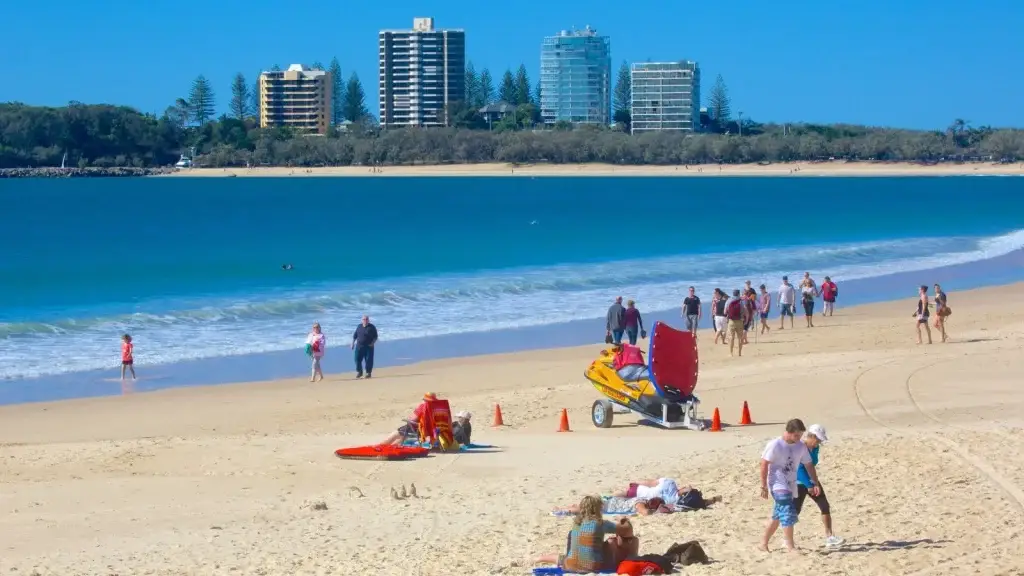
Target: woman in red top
[
  {"x": 829, "y": 291},
  {"x": 127, "y": 359}
]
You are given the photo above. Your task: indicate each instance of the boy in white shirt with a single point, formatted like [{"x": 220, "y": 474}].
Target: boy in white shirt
[{"x": 779, "y": 463}]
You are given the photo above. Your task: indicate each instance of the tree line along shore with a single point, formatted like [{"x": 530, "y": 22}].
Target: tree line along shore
[{"x": 94, "y": 139}]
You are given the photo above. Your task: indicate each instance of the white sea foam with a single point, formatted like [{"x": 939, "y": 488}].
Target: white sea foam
[{"x": 184, "y": 329}]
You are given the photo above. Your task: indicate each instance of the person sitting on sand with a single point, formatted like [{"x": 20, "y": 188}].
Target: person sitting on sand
[
  {"x": 462, "y": 429},
  {"x": 587, "y": 550},
  {"x": 412, "y": 423},
  {"x": 629, "y": 362}
]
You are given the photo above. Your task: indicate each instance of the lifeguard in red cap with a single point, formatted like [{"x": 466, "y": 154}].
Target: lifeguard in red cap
[{"x": 412, "y": 424}]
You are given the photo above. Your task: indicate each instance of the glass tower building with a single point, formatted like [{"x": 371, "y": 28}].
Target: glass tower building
[
  {"x": 666, "y": 96},
  {"x": 576, "y": 78}
]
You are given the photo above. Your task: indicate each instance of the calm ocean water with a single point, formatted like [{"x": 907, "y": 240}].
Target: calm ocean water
[{"x": 192, "y": 267}]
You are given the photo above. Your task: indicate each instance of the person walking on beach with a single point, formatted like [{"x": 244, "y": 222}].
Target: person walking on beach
[
  {"x": 787, "y": 299},
  {"x": 316, "y": 342},
  {"x": 363, "y": 340},
  {"x": 779, "y": 463},
  {"x": 813, "y": 439},
  {"x": 808, "y": 292},
  {"x": 736, "y": 315},
  {"x": 633, "y": 323},
  {"x": 750, "y": 302},
  {"x": 127, "y": 356},
  {"x": 922, "y": 314},
  {"x": 718, "y": 302},
  {"x": 615, "y": 321},
  {"x": 692, "y": 311},
  {"x": 942, "y": 311},
  {"x": 764, "y": 307},
  {"x": 829, "y": 292}
]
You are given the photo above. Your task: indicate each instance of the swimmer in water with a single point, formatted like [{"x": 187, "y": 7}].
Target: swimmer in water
[{"x": 286, "y": 267}]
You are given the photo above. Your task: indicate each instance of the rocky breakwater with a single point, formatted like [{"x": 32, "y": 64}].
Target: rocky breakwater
[{"x": 113, "y": 172}]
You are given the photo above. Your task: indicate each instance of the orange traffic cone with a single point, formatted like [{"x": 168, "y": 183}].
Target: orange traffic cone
[
  {"x": 745, "y": 418},
  {"x": 498, "y": 421},
  {"x": 563, "y": 425},
  {"x": 716, "y": 422}
]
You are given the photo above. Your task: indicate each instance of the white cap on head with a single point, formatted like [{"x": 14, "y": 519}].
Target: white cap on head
[
  {"x": 464, "y": 414},
  {"x": 818, "y": 431}
]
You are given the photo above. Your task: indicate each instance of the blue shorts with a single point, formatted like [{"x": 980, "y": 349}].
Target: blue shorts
[
  {"x": 785, "y": 310},
  {"x": 785, "y": 509},
  {"x": 764, "y": 315}
]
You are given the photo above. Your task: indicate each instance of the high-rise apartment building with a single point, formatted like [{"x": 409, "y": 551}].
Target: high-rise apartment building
[
  {"x": 576, "y": 78},
  {"x": 297, "y": 98},
  {"x": 666, "y": 96},
  {"x": 422, "y": 71}
]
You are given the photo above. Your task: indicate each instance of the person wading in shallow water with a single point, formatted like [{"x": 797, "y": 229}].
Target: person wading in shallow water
[{"x": 363, "y": 340}]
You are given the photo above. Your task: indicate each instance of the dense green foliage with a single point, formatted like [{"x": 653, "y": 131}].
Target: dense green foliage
[{"x": 103, "y": 135}]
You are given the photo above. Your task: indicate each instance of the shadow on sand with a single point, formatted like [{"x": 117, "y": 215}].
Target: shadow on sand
[{"x": 890, "y": 545}]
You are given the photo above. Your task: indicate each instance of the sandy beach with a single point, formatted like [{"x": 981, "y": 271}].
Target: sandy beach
[
  {"x": 834, "y": 168},
  {"x": 925, "y": 470}
]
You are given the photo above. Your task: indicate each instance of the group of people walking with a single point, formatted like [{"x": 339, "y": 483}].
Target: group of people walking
[{"x": 363, "y": 340}]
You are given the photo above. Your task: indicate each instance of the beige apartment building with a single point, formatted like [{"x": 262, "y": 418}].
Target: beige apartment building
[{"x": 298, "y": 98}]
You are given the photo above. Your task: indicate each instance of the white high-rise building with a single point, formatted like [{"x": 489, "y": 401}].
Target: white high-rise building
[
  {"x": 422, "y": 71},
  {"x": 666, "y": 96},
  {"x": 576, "y": 78}
]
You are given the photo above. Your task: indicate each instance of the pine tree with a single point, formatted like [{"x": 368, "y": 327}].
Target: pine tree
[
  {"x": 201, "y": 100},
  {"x": 240, "y": 101},
  {"x": 487, "y": 95},
  {"x": 354, "y": 104},
  {"x": 719, "y": 105},
  {"x": 624, "y": 90},
  {"x": 473, "y": 96},
  {"x": 254, "y": 98},
  {"x": 537, "y": 94},
  {"x": 522, "y": 86},
  {"x": 507, "y": 90},
  {"x": 318, "y": 65},
  {"x": 337, "y": 92}
]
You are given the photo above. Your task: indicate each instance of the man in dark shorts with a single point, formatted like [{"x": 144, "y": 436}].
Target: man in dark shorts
[
  {"x": 813, "y": 438},
  {"x": 692, "y": 311}
]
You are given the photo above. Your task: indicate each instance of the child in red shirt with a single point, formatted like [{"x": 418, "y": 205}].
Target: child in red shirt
[{"x": 127, "y": 360}]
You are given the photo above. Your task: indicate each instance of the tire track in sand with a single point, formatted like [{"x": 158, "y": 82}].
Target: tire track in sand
[{"x": 1005, "y": 485}]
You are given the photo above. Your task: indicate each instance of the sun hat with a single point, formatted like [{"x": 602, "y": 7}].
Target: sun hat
[
  {"x": 818, "y": 431},
  {"x": 430, "y": 396},
  {"x": 464, "y": 414}
]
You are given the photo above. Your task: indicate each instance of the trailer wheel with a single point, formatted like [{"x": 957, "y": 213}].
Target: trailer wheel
[{"x": 601, "y": 414}]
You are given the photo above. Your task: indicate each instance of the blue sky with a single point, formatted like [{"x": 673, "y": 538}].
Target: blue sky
[{"x": 909, "y": 63}]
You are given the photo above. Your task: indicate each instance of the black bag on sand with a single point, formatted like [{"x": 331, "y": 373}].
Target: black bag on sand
[{"x": 687, "y": 553}]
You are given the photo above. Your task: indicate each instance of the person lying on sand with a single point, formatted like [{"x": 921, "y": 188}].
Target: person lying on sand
[
  {"x": 665, "y": 488},
  {"x": 412, "y": 423},
  {"x": 644, "y": 507},
  {"x": 587, "y": 550}
]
